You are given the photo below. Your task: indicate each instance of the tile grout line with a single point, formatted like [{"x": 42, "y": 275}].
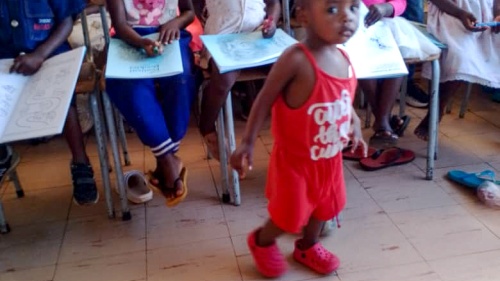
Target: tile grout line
[{"x": 63, "y": 238}]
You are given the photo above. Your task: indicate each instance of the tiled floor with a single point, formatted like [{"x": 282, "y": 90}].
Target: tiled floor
[{"x": 396, "y": 226}]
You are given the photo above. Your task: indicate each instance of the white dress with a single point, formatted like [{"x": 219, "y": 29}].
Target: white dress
[
  {"x": 234, "y": 16},
  {"x": 471, "y": 56}
]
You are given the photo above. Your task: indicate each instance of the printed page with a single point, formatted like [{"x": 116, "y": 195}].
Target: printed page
[
  {"x": 128, "y": 62},
  {"x": 373, "y": 51},
  {"x": 245, "y": 50},
  {"x": 11, "y": 86},
  {"x": 43, "y": 104}
]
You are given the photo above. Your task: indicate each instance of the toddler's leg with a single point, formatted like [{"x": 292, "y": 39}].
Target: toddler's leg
[
  {"x": 268, "y": 258},
  {"x": 311, "y": 253}
]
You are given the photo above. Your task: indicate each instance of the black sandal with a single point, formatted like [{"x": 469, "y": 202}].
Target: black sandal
[
  {"x": 384, "y": 138},
  {"x": 399, "y": 124},
  {"x": 84, "y": 186}
]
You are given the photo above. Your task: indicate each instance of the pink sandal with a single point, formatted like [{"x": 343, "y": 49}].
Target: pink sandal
[
  {"x": 316, "y": 258},
  {"x": 270, "y": 261}
]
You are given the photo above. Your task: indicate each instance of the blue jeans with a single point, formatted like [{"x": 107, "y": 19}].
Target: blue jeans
[
  {"x": 414, "y": 12},
  {"x": 158, "y": 109}
]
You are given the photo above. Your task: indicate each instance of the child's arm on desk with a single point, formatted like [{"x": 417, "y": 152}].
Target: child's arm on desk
[
  {"x": 282, "y": 74},
  {"x": 28, "y": 64},
  {"x": 273, "y": 13},
  {"x": 126, "y": 32}
]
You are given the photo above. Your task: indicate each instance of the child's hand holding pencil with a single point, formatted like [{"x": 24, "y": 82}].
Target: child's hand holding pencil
[
  {"x": 268, "y": 27},
  {"x": 152, "y": 48}
]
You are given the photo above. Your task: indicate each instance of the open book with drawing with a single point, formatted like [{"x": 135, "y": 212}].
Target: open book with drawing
[
  {"x": 373, "y": 51},
  {"x": 245, "y": 50},
  {"x": 128, "y": 62},
  {"x": 36, "y": 106}
]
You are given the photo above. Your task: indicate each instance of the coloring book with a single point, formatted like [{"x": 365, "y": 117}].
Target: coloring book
[
  {"x": 245, "y": 50},
  {"x": 36, "y": 106},
  {"x": 373, "y": 51},
  {"x": 128, "y": 62}
]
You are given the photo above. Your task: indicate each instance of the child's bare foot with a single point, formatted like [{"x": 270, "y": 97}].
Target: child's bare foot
[{"x": 422, "y": 130}]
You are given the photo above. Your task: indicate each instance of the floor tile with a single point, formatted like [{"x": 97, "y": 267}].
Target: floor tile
[
  {"x": 408, "y": 272},
  {"x": 98, "y": 236},
  {"x": 478, "y": 267},
  {"x": 192, "y": 221},
  {"x": 405, "y": 191},
  {"x": 205, "y": 260},
  {"x": 33, "y": 274},
  {"x": 371, "y": 242},
  {"x": 445, "y": 232},
  {"x": 38, "y": 206},
  {"x": 127, "y": 267}
]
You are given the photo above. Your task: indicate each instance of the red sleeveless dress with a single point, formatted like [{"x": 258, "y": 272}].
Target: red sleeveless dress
[{"x": 305, "y": 175}]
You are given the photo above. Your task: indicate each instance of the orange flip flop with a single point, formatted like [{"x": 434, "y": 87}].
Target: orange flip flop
[{"x": 171, "y": 201}]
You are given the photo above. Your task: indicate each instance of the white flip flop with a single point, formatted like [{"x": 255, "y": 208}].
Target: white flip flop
[{"x": 138, "y": 190}]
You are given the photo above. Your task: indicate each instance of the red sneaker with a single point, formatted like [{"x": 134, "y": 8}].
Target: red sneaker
[
  {"x": 269, "y": 260},
  {"x": 316, "y": 258}
]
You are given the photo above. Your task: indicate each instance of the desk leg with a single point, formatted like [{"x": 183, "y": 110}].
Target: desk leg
[
  {"x": 120, "y": 181},
  {"x": 402, "y": 97},
  {"x": 232, "y": 147},
  {"x": 122, "y": 136},
  {"x": 102, "y": 151},
  {"x": 433, "y": 121},
  {"x": 221, "y": 138},
  {"x": 4, "y": 226}
]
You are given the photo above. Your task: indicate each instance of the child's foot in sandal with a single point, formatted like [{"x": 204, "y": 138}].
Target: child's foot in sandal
[
  {"x": 316, "y": 258},
  {"x": 384, "y": 138},
  {"x": 84, "y": 186},
  {"x": 170, "y": 170},
  {"x": 399, "y": 124}
]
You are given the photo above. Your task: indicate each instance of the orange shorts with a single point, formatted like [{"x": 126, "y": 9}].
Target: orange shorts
[{"x": 300, "y": 188}]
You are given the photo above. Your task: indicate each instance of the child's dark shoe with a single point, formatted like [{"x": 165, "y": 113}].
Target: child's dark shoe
[{"x": 84, "y": 186}]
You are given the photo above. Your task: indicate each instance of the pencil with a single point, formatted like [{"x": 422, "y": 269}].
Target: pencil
[{"x": 488, "y": 24}]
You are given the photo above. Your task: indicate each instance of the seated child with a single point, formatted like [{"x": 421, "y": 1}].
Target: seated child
[
  {"x": 473, "y": 52},
  {"x": 160, "y": 119},
  {"x": 33, "y": 31},
  {"x": 311, "y": 86},
  {"x": 230, "y": 16},
  {"x": 381, "y": 93}
]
